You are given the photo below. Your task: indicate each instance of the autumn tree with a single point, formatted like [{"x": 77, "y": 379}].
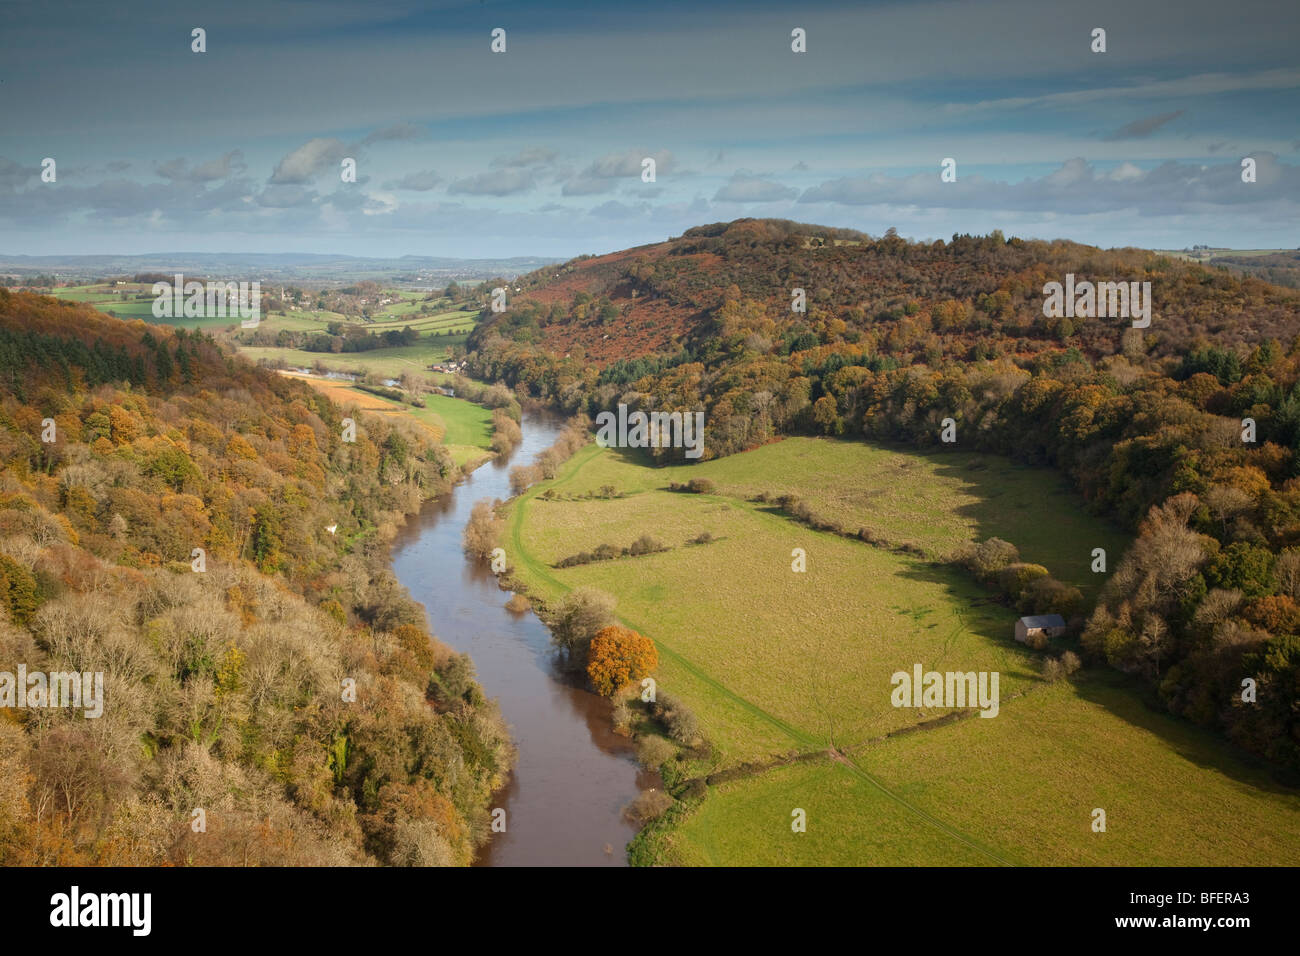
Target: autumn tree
[{"x": 617, "y": 657}]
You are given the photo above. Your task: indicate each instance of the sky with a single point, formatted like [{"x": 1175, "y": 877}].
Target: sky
[{"x": 539, "y": 150}]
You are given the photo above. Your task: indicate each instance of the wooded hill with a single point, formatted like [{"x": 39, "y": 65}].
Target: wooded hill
[
  {"x": 897, "y": 336},
  {"x": 226, "y": 685}
]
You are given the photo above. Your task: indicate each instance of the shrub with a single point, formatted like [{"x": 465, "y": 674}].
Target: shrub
[
  {"x": 986, "y": 559},
  {"x": 649, "y": 805},
  {"x": 622, "y": 719},
  {"x": 1015, "y": 578},
  {"x": 523, "y": 476},
  {"x": 653, "y": 751},
  {"x": 1046, "y": 595},
  {"x": 700, "y": 486},
  {"x": 617, "y": 656},
  {"x": 645, "y": 545},
  {"x": 606, "y": 552},
  {"x": 577, "y": 617},
  {"x": 483, "y": 530}
]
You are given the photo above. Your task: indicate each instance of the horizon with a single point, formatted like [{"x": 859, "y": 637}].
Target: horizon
[{"x": 539, "y": 150}]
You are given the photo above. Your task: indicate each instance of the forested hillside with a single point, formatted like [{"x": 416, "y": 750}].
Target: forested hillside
[
  {"x": 1148, "y": 424},
  {"x": 199, "y": 531}
]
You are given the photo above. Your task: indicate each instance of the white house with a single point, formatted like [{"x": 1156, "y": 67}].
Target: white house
[{"x": 1045, "y": 625}]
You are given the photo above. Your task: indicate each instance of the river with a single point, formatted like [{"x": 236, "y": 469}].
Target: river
[{"x": 574, "y": 775}]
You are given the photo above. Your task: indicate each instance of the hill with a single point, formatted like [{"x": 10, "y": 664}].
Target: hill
[
  {"x": 1187, "y": 431},
  {"x": 209, "y": 538}
]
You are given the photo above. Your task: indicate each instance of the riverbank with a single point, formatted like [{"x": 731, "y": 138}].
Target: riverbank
[{"x": 574, "y": 775}]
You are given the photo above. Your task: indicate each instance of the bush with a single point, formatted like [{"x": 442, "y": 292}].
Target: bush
[
  {"x": 1046, "y": 595},
  {"x": 606, "y": 552},
  {"x": 1070, "y": 661},
  {"x": 483, "y": 530},
  {"x": 677, "y": 719},
  {"x": 1015, "y": 578},
  {"x": 649, "y": 805},
  {"x": 622, "y": 719},
  {"x": 1052, "y": 670},
  {"x": 617, "y": 657},
  {"x": 577, "y": 617},
  {"x": 704, "y": 537},
  {"x": 986, "y": 559},
  {"x": 524, "y": 476},
  {"x": 645, "y": 545},
  {"x": 653, "y": 751}
]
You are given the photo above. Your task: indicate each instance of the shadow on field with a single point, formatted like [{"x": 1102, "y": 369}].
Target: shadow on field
[
  {"x": 1009, "y": 492},
  {"x": 1131, "y": 701}
]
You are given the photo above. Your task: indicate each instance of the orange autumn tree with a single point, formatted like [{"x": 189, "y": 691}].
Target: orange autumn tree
[{"x": 617, "y": 657}]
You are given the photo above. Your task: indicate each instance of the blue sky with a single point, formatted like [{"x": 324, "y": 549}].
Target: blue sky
[{"x": 538, "y": 150}]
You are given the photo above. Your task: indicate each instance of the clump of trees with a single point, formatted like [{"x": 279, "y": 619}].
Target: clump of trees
[
  {"x": 696, "y": 486},
  {"x": 506, "y": 433},
  {"x": 644, "y": 544},
  {"x": 1029, "y": 588},
  {"x": 1057, "y": 668},
  {"x": 677, "y": 719},
  {"x": 483, "y": 531}
]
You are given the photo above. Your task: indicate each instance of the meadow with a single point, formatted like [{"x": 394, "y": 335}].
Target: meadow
[
  {"x": 387, "y": 363},
  {"x": 776, "y": 663},
  {"x": 463, "y": 428}
]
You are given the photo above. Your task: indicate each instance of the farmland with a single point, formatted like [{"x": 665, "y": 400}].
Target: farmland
[
  {"x": 465, "y": 429},
  {"x": 776, "y": 663}
]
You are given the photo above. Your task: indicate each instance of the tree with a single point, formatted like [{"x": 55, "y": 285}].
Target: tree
[
  {"x": 576, "y": 619},
  {"x": 618, "y": 656},
  {"x": 483, "y": 530},
  {"x": 1243, "y": 567}
]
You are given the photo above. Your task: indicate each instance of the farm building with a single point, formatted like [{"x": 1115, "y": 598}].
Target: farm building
[{"x": 1042, "y": 625}]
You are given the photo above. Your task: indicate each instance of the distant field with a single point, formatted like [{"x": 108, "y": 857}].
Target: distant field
[
  {"x": 775, "y": 663},
  {"x": 395, "y": 315},
  {"x": 390, "y": 363},
  {"x": 464, "y": 428}
]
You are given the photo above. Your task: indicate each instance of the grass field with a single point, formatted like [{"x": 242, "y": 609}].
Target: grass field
[
  {"x": 937, "y": 500},
  {"x": 390, "y": 363},
  {"x": 776, "y": 663},
  {"x": 395, "y": 315},
  {"x": 464, "y": 428}
]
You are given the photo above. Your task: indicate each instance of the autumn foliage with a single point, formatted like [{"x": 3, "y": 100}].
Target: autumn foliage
[
  {"x": 172, "y": 529},
  {"x": 617, "y": 657}
]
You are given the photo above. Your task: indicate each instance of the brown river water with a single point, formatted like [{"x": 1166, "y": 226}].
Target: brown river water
[{"x": 573, "y": 775}]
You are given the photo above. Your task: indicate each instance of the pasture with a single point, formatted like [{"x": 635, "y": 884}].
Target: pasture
[{"x": 776, "y": 663}]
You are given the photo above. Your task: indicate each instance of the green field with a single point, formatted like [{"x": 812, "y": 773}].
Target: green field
[
  {"x": 463, "y": 428},
  {"x": 395, "y": 315},
  {"x": 389, "y": 363},
  {"x": 776, "y": 663},
  {"x": 109, "y": 299},
  {"x": 937, "y": 501},
  {"x": 467, "y": 428}
]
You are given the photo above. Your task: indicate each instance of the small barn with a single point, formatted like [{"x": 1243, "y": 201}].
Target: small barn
[{"x": 1039, "y": 626}]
